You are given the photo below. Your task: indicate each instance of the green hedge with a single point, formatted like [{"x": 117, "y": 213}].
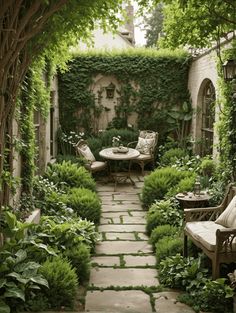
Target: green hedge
[{"x": 159, "y": 183}]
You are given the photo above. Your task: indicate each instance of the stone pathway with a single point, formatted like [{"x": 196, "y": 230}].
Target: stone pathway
[{"x": 123, "y": 277}]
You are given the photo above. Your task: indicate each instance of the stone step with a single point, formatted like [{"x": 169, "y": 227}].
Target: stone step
[
  {"x": 123, "y": 247},
  {"x": 111, "y": 301},
  {"x": 118, "y": 228},
  {"x": 104, "y": 277}
]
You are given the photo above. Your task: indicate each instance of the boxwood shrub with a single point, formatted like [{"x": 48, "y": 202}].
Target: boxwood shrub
[
  {"x": 170, "y": 156},
  {"x": 67, "y": 174},
  {"x": 85, "y": 203},
  {"x": 159, "y": 182},
  {"x": 168, "y": 246},
  {"x": 79, "y": 256},
  {"x": 62, "y": 281},
  {"x": 161, "y": 231}
]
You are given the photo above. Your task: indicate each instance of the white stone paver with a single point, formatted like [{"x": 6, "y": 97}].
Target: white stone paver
[
  {"x": 130, "y": 301},
  {"x": 123, "y": 247},
  {"x": 123, "y": 277}
]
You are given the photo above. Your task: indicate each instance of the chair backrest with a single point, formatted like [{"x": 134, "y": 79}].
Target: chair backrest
[
  {"x": 83, "y": 150},
  {"x": 230, "y": 193},
  {"x": 149, "y": 134}
]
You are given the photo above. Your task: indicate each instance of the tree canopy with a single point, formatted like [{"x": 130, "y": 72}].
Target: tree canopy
[{"x": 197, "y": 23}]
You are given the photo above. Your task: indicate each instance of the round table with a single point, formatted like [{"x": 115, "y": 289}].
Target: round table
[
  {"x": 191, "y": 200},
  {"x": 113, "y": 154}
]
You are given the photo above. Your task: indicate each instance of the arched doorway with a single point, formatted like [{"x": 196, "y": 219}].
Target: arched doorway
[{"x": 207, "y": 118}]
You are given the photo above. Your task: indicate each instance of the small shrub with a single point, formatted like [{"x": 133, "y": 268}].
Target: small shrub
[
  {"x": 185, "y": 185},
  {"x": 127, "y": 135},
  {"x": 181, "y": 273},
  {"x": 62, "y": 281},
  {"x": 159, "y": 182},
  {"x": 161, "y": 213},
  {"x": 215, "y": 296},
  {"x": 65, "y": 234},
  {"x": 79, "y": 257},
  {"x": 207, "y": 167},
  {"x": 168, "y": 246},
  {"x": 70, "y": 175},
  {"x": 79, "y": 161},
  {"x": 85, "y": 203},
  {"x": 161, "y": 231},
  {"x": 170, "y": 156},
  {"x": 54, "y": 204}
]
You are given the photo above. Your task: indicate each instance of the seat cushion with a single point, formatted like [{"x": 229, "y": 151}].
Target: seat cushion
[
  {"x": 97, "y": 165},
  {"x": 144, "y": 157},
  {"x": 204, "y": 232},
  {"x": 144, "y": 146},
  {"x": 228, "y": 217}
]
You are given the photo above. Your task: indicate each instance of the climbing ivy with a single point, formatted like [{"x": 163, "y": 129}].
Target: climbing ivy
[
  {"x": 160, "y": 76},
  {"x": 227, "y": 119},
  {"x": 35, "y": 96}
]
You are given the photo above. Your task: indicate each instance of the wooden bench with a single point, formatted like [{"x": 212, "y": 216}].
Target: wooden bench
[{"x": 216, "y": 241}]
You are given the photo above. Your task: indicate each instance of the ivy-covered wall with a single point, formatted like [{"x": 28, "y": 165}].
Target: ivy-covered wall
[
  {"x": 161, "y": 77},
  {"x": 227, "y": 119}
]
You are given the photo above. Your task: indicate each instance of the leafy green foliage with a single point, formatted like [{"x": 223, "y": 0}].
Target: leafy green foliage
[
  {"x": 161, "y": 213},
  {"x": 19, "y": 278},
  {"x": 197, "y": 24},
  {"x": 68, "y": 174},
  {"x": 62, "y": 281},
  {"x": 159, "y": 182},
  {"x": 168, "y": 246},
  {"x": 165, "y": 87},
  {"x": 171, "y": 155},
  {"x": 85, "y": 203},
  {"x": 79, "y": 256},
  {"x": 179, "y": 272},
  {"x": 153, "y": 26},
  {"x": 161, "y": 231},
  {"x": 63, "y": 235},
  {"x": 208, "y": 167}
]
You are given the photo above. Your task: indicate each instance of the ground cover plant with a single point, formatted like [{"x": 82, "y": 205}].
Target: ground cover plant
[{"x": 159, "y": 183}]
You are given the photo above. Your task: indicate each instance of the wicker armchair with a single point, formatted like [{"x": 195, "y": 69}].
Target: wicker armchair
[
  {"x": 83, "y": 150},
  {"x": 146, "y": 145},
  {"x": 216, "y": 241}
]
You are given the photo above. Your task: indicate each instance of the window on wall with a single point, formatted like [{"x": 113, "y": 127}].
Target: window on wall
[{"x": 208, "y": 119}]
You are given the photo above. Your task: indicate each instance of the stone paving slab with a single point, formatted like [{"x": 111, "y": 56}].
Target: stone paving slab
[
  {"x": 125, "y": 277},
  {"x": 126, "y": 197},
  {"x": 123, "y": 213},
  {"x": 120, "y": 247},
  {"x": 130, "y": 301},
  {"x": 123, "y": 220},
  {"x": 106, "y": 260},
  {"x": 114, "y": 207},
  {"x": 142, "y": 260},
  {"x": 122, "y": 228},
  {"x": 120, "y": 236},
  {"x": 166, "y": 302}
]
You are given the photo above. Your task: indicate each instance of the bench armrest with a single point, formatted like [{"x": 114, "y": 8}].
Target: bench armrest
[
  {"x": 224, "y": 240},
  {"x": 202, "y": 214}
]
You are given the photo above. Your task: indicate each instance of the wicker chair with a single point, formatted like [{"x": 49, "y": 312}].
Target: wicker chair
[
  {"x": 146, "y": 145},
  {"x": 83, "y": 150},
  {"x": 205, "y": 229}
]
